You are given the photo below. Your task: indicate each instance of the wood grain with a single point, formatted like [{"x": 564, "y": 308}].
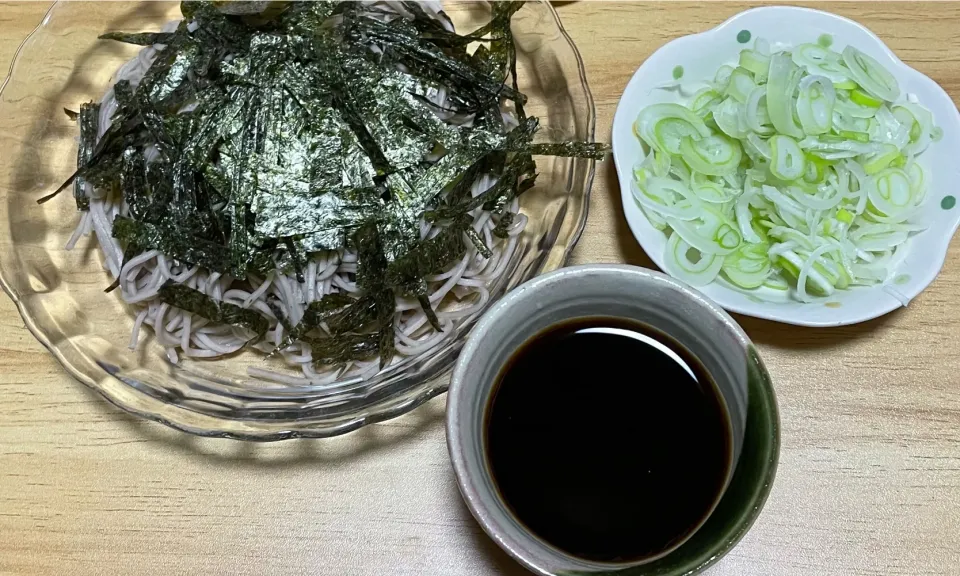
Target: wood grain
[{"x": 869, "y": 479}]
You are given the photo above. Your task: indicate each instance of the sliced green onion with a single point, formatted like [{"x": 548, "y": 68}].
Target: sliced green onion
[
  {"x": 655, "y": 164},
  {"x": 661, "y": 163},
  {"x": 847, "y": 106},
  {"x": 776, "y": 283},
  {"x": 815, "y": 104},
  {"x": 651, "y": 116},
  {"x": 877, "y": 161},
  {"x": 851, "y": 135},
  {"x": 679, "y": 263},
  {"x": 704, "y": 100},
  {"x": 787, "y": 160},
  {"x": 781, "y": 85},
  {"x": 870, "y": 75},
  {"x": 744, "y": 217},
  {"x": 888, "y": 128},
  {"x": 758, "y": 144},
  {"x": 862, "y": 98},
  {"x": 711, "y": 233},
  {"x": 819, "y": 61},
  {"x": 918, "y": 180},
  {"x": 837, "y": 148},
  {"x": 816, "y": 170},
  {"x": 679, "y": 170},
  {"x": 655, "y": 219},
  {"x": 814, "y": 55},
  {"x": 762, "y": 45},
  {"x": 722, "y": 79},
  {"x": 787, "y": 208},
  {"x": 843, "y": 121},
  {"x": 714, "y": 155},
  {"x": 708, "y": 190},
  {"x": 755, "y": 111},
  {"x": 748, "y": 267},
  {"x": 920, "y": 121},
  {"x": 668, "y": 198},
  {"x": 669, "y": 131},
  {"x": 790, "y": 172},
  {"x": 815, "y": 202},
  {"x": 756, "y": 63},
  {"x": 741, "y": 84},
  {"x": 891, "y": 192},
  {"x": 792, "y": 264},
  {"x": 727, "y": 117}
]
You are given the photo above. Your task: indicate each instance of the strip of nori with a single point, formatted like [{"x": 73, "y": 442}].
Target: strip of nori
[
  {"x": 431, "y": 28},
  {"x": 327, "y": 309},
  {"x": 89, "y": 129},
  {"x": 355, "y": 317},
  {"x": 593, "y": 150},
  {"x": 176, "y": 244},
  {"x": 139, "y": 38},
  {"x": 131, "y": 251},
  {"x": 215, "y": 311},
  {"x": 494, "y": 197},
  {"x": 264, "y": 8},
  {"x": 60, "y": 189},
  {"x": 478, "y": 242},
  {"x": 429, "y": 61},
  {"x": 133, "y": 183},
  {"x": 506, "y": 220},
  {"x": 295, "y": 257},
  {"x": 386, "y": 336},
  {"x": 279, "y": 313},
  {"x": 344, "y": 348},
  {"x": 372, "y": 272}
]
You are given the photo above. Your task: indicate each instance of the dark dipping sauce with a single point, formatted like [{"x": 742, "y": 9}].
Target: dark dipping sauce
[{"x": 607, "y": 439}]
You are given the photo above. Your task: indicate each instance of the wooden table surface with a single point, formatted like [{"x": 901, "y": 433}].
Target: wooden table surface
[{"x": 869, "y": 477}]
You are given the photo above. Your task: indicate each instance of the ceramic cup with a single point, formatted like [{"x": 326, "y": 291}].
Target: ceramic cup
[{"x": 668, "y": 305}]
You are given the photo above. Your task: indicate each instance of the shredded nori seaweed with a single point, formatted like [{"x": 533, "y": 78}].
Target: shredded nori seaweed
[
  {"x": 140, "y": 39},
  {"x": 202, "y": 305},
  {"x": 287, "y": 128},
  {"x": 89, "y": 119}
]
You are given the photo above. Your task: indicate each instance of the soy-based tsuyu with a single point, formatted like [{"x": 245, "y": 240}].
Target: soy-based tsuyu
[
  {"x": 282, "y": 129},
  {"x": 604, "y": 461}
]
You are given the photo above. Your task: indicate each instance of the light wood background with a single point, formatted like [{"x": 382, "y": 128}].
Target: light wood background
[{"x": 869, "y": 478}]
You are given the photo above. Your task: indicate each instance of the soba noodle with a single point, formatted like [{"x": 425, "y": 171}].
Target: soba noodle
[{"x": 457, "y": 293}]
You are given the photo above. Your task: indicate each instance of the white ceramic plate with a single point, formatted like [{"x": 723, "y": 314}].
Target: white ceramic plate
[{"x": 698, "y": 57}]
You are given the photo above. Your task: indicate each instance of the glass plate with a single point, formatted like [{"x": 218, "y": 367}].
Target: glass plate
[{"x": 60, "y": 293}]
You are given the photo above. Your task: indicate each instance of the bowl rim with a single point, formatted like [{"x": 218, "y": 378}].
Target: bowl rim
[
  {"x": 763, "y": 401},
  {"x": 439, "y": 381},
  {"x": 776, "y": 311}
]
